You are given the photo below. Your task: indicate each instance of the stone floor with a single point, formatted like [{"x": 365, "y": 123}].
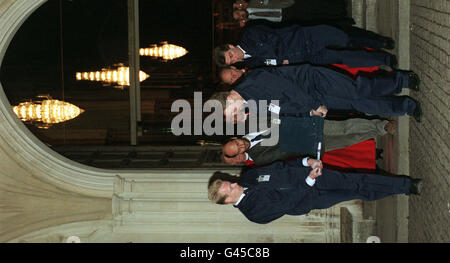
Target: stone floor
[{"x": 421, "y": 29}]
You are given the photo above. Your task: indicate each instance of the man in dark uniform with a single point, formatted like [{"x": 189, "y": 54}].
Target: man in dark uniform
[
  {"x": 311, "y": 12},
  {"x": 336, "y": 135},
  {"x": 262, "y": 45},
  {"x": 305, "y": 90},
  {"x": 287, "y": 188}
]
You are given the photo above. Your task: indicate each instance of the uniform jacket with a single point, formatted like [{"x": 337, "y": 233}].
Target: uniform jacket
[
  {"x": 297, "y": 136},
  {"x": 262, "y": 155},
  {"x": 263, "y": 42},
  {"x": 314, "y": 44},
  {"x": 281, "y": 189},
  {"x": 285, "y": 192},
  {"x": 290, "y": 85}
]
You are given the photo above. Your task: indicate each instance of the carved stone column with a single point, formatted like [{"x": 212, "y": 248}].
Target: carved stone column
[
  {"x": 176, "y": 208},
  {"x": 28, "y": 204}
]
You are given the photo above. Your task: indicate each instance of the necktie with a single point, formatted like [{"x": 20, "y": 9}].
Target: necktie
[
  {"x": 260, "y": 137},
  {"x": 267, "y": 14}
]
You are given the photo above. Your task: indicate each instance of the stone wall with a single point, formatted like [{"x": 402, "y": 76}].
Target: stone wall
[{"x": 429, "y": 140}]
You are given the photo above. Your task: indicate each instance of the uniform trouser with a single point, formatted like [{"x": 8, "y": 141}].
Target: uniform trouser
[
  {"x": 351, "y": 58},
  {"x": 325, "y": 35},
  {"x": 386, "y": 106},
  {"x": 341, "y": 134},
  {"x": 359, "y": 37},
  {"x": 333, "y": 187},
  {"x": 326, "y": 45},
  {"x": 368, "y": 95}
]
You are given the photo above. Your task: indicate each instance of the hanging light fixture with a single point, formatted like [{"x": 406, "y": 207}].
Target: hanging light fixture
[
  {"x": 119, "y": 76},
  {"x": 165, "y": 51},
  {"x": 46, "y": 112}
]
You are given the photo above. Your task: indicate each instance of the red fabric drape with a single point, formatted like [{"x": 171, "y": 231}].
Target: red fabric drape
[
  {"x": 360, "y": 156},
  {"x": 355, "y": 71}
]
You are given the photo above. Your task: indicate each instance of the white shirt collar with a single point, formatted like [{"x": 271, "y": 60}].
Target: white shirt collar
[
  {"x": 252, "y": 135},
  {"x": 246, "y": 55},
  {"x": 273, "y": 19},
  {"x": 240, "y": 198}
]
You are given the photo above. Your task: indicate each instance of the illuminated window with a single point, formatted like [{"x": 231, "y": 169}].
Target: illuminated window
[{"x": 54, "y": 59}]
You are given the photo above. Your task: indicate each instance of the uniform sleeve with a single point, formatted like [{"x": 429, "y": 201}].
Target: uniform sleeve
[
  {"x": 296, "y": 94},
  {"x": 268, "y": 42},
  {"x": 297, "y": 162},
  {"x": 274, "y": 204},
  {"x": 271, "y": 154}
]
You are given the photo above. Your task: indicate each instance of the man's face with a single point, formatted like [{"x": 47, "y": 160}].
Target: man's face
[
  {"x": 235, "y": 111},
  {"x": 235, "y": 108},
  {"x": 235, "y": 147},
  {"x": 233, "y": 190},
  {"x": 240, "y": 14},
  {"x": 230, "y": 75},
  {"x": 233, "y": 55},
  {"x": 237, "y": 160},
  {"x": 242, "y": 22}
]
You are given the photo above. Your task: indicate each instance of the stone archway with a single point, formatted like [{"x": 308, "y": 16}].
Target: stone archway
[
  {"x": 28, "y": 152},
  {"x": 21, "y": 145}
]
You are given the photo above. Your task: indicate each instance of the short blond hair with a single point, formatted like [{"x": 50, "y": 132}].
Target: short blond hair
[
  {"x": 214, "y": 184},
  {"x": 213, "y": 192}
]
